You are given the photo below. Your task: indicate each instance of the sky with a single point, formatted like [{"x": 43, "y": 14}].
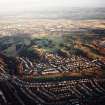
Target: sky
[{"x": 22, "y": 5}]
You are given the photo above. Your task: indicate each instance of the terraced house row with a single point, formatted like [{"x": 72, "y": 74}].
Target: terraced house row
[{"x": 54, "y": 64}]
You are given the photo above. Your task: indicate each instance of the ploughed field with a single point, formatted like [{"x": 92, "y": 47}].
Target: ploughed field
[{"x": 52, "y": 62}]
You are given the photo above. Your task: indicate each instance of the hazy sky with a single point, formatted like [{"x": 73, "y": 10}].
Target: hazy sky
[{"x": 22, "y": 5}]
